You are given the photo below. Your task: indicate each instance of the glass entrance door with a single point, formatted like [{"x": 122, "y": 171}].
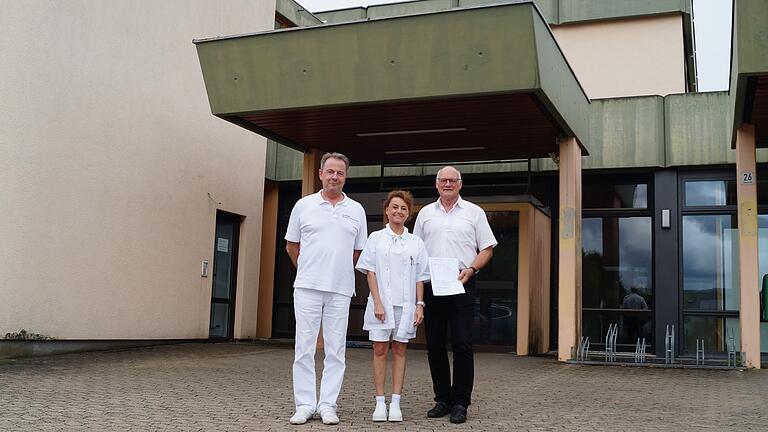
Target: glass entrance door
[
  {"x": 496, "y": 302},
  {"x": 224, "y": 276}
]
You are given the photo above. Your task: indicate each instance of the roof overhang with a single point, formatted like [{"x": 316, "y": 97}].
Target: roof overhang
[
  {"x": 465, "y": 84},
  {"x": 749, "y": 69}
]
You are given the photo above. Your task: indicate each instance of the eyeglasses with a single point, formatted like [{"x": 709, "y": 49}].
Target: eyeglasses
[{"x": 448, "y": 180}]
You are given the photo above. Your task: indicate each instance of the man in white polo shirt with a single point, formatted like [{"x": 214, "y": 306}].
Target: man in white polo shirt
[
  {"x": 456, "y": 229},
  {"x": 326, "y": 233}
]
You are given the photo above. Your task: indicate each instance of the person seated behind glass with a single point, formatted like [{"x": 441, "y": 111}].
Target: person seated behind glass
[
  {"x": 634, "y": 300},
  {"x": 632, "y": 324}
]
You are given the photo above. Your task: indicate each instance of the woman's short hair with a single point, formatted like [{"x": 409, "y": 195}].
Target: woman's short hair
[{"x": 406, "y": 196}]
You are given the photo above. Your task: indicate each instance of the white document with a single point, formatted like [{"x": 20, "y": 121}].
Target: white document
[{"x": 445, "y": 273}]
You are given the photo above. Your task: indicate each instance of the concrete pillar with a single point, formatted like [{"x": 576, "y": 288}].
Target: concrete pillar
[
  {"x": 569, "y": 253},
  {"x": 746, "y": 193}
]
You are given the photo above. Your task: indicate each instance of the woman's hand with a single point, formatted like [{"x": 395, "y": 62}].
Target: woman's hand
[
  {"x": 378, "y": 311},
  {"x": 418, "y": 316}
]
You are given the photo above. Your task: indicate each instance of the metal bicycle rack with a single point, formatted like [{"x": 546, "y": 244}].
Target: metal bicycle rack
[
  {"x": 610, "y": 342},
  {"x": 640, "y": 351},
  {"x": 669, "y": 344}
]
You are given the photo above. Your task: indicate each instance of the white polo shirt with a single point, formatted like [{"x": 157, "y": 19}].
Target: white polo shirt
[
  {"x": 327, "y": 236},
  {"x": 460, "y": 233}
]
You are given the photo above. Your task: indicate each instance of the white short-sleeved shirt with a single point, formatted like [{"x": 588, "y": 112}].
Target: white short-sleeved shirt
[
  {"x": 460, "y": 233},
  {"x": 328, "y": 235}
]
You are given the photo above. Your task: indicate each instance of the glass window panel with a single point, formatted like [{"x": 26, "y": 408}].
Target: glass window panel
[
  {"x": 762, "y": 248},
  {"x": 496, "y": 302},
  {"x": 632, "y": 325},
  {"x": 616, "y": 263},
  {"x": 219, "y": 320},
  {"x": 710, "y": 263},
  {"x": 615, "y": 196},
  {"x": 222, "y": 260},
  {"x": 764, "y": 337},
  {"x": 714, "y": 330},
  {"x": 710, "y": 192},
  {"x": 284, "y": 322},
  {"x": 355, "y": 326}
]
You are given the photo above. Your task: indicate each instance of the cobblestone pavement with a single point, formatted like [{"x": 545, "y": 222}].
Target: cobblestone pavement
[{"x": 248, "y": 387}]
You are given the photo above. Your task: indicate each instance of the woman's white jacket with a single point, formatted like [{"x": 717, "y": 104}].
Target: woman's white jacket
[{"x": 379, "y": 254}]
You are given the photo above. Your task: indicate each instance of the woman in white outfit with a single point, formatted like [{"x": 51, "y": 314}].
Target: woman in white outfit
[{"x": 395, "y": 262}]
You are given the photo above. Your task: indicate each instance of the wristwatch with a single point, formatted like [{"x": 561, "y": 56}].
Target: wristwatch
[
  {"x": 421, "y": 303},
  {"x": 476, "y": 271}
]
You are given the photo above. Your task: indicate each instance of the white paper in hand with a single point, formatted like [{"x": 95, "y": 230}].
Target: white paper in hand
[{"x": 445, "y": 274}]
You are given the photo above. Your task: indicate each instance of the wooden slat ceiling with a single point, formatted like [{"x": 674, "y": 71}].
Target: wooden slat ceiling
[
  {"x": 759, "y": 115},
  {"x": 489, "y": 127}
]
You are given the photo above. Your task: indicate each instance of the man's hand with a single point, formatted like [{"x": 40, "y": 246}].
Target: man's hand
[
  {"x": 293, "y": 250},
  {"x": 465, "y": 275}
]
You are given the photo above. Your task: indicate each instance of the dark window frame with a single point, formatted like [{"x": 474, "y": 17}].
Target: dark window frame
[
  {"x": 648, "y": 211},
  {"x": 723, "y": 210},
  {"x": 232, "y": 301}
]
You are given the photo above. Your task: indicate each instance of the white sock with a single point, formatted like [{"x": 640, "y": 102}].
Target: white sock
[
  {"x": 396, "y": 399},
  {"x": 380, "y": 400}
]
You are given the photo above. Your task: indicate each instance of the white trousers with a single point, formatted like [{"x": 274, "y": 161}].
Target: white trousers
[{"x": 312, "y": 307}]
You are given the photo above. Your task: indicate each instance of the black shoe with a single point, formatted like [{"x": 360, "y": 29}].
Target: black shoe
[
  {"x": 441, "y": 409},
  {"x": 458, "y": 414}
]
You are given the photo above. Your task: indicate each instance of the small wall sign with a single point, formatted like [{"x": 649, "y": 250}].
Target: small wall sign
[
  {"x": 747, "y": 177},
  {"x": 222, "y": 245}
]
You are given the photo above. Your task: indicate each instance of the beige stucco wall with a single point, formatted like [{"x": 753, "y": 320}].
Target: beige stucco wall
[
  {"x": 113, "y": 168},
  {"x": 628, "y": 57}
]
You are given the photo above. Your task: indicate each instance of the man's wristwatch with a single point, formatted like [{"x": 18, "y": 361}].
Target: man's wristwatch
[
  {"x": 421, "y": 303},
  {"x": 474, "y": 270}
]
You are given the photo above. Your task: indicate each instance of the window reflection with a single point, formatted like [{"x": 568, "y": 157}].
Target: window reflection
[
  {"x": 710, "y": 193},
  {"x": 710, "y": 263},
  {"x": 616, "y": 262},
  {"x": 496, "y": 301},
  {"x": 632, "y": 326},
  {"x": 617, "y": 275},
  {"x": 615, "y": 196},
  {"x": 715, "y": 330},
  {"x": 763, "y": 269}
]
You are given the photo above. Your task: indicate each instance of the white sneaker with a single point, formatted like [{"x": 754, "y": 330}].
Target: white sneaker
[
  {"x": 395, "y": 415},
  {"x": 329, "y": 416},
  {"x": 380, "y": 414},
  {"x": 301, "y": 416}
]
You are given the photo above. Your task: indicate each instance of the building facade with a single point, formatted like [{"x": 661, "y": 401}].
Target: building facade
[
  {"x": 117, "y": 176},
  {"x": 619, "y": 194},
  {"x": 659, "y": 246}
]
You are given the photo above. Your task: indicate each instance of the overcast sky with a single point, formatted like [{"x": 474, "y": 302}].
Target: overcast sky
[{"x": 712, "y": 23}]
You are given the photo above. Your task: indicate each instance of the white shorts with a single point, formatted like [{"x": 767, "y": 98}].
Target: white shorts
[{"x": 383, "y": 335}]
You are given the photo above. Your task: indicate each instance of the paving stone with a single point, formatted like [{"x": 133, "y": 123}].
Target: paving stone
[{"x": 247, "y": 387}]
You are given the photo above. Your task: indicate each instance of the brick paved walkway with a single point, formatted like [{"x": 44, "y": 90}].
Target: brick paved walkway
[{"x": 247, "y": 387}]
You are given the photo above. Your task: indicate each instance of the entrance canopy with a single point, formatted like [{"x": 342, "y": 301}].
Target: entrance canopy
[
  {"x": 749, "y": 69},
  {"x": 465, "y": 84}
]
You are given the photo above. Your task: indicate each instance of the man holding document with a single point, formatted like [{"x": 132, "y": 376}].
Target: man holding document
[{"x": 459, "y": 242}]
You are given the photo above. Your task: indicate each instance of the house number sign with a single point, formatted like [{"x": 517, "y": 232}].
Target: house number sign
[{"x": 747, "y": 177}]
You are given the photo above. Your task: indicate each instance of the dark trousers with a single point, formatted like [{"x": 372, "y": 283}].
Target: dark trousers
[{"x": 457, "y": 313}]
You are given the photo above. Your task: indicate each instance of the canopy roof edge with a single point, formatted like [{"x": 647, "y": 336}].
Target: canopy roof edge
[{"x": 400, "y": 84}]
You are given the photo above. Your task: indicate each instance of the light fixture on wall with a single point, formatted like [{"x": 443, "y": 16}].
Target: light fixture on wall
[{"x": 408, "y": 132}]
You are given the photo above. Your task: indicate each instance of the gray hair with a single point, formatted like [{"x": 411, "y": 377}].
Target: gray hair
[
  {"x": 437, "y": 176},
  {"x": 334, "y": 155}
]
